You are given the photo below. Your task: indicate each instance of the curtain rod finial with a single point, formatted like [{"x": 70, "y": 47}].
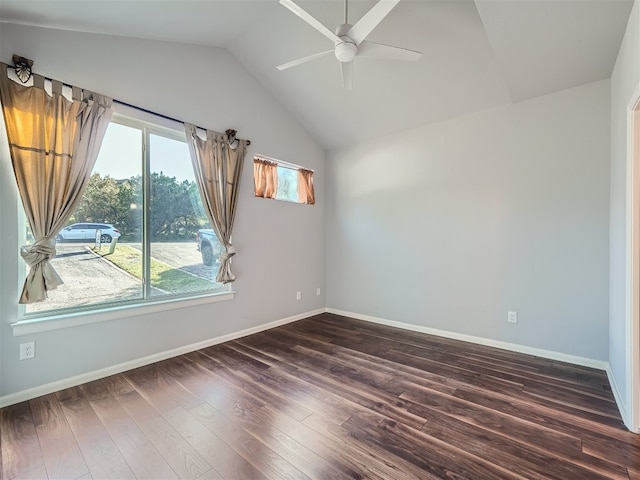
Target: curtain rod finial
[
  {"x": 231, "y": 137},
  {"x": 22, "y": 67}
]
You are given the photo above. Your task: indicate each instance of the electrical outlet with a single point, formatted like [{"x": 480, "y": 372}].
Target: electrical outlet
[
  {"x": 512, "y": 317},
  {"x": 298, "y": 295},
  {"x": 318, "y": 291},
  {"x": 27, "y": 350}
]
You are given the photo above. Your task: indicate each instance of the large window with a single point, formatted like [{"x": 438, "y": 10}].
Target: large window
[{"x": 138, "y": 232}]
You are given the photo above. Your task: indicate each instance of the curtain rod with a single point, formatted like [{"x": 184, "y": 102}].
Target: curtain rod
[
  {"x": 22, "y": 66},
  {"x": 282, "y": 163}
]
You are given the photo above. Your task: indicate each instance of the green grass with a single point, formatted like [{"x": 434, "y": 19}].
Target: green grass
[{"x": 163, "y": 276}]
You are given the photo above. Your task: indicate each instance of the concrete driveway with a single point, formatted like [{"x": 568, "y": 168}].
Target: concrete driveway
[
  {"x": 182, "y": 255},
  {"x": 90, "y": 279}
]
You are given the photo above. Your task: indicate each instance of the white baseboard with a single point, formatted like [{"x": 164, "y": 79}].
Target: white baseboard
[
  {"x": 514, "y": 347},
  {"x": 620, "y": 401},
  {"x": 38, "y": 391}
]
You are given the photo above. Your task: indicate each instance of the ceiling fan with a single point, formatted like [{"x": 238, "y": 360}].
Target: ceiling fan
[{"x": 349, "y": 40}]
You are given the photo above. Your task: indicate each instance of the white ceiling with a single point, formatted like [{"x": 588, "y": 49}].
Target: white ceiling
[{"x": 476, "y": 54}]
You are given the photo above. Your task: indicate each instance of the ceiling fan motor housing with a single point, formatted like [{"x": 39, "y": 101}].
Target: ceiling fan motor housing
[{"x": 346, "y": 50}]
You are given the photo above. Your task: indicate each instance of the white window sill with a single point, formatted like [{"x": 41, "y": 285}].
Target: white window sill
[{"x": 57, "y": 322}]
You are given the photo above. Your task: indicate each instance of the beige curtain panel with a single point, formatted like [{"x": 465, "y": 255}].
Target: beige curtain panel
[
  {"x": 265, "y": 177},
  {"x": 54, "y": 143},
  {"x": 218, "y": 169},
  {"x": 305, "y": 187}
]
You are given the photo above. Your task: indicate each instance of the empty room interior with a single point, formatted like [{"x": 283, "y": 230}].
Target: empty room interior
[{"x": 247, "y": 239}]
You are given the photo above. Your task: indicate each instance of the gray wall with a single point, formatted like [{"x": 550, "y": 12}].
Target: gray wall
[
  {"x": 624, "y": 80},
  {"x": 280, "y": 245},
  {"x": 447, "y": 226},
  {"x": 450, "y": 225}
]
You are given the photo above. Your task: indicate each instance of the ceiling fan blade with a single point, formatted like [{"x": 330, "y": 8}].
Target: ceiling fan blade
[
  {"x": 310, "y": 20},
  {"x": 386, "y": 52},
  {"x": 370, "y": 20},
  {"x": 293, "y": 63},
  {"x": 347, "y": 74}
]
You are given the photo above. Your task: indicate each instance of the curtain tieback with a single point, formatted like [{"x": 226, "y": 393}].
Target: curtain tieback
[
  {"x": 229, "y": 251},
  {"x": 43, "y": 249}
]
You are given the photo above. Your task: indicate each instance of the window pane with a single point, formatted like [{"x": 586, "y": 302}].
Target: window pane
[
  {"x": 184, "y": 250},
  {"x": 287, "y": 184},
  {"x": 110, "y": 205}
]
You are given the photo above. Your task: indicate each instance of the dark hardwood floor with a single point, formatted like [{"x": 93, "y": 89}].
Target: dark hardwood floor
[{"x": 328, "y": 397}]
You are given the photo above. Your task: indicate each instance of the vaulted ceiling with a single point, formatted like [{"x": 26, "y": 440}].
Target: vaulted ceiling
[{"x": 476, "y": 54}]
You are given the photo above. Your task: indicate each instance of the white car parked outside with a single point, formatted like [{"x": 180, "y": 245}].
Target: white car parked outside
[{"x": 82, "y": 232}]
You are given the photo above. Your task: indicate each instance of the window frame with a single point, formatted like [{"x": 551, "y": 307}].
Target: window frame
[
  {"x": 28, "y": 323},
  {"x": 286, "y": 165}
]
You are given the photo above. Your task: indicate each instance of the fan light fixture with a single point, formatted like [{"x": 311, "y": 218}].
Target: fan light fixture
[{"x": 346, "y": 52}]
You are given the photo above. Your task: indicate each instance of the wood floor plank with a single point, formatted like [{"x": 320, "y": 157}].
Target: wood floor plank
[
  {"x": 339, "y": 379},
  {"x": 266, "y": 359},
  {"x": 200, "y": 381},
  {"x": 142, "y": 457},
  {"x": 234, "y": 378},
  {"x": 573, "y": 383},
  {"x": 182, "y": 458},
  {"x": 225, "y": 460},
  {"x": 62, "y": 456},
  {"x": 145, "y": 381},
  {"x": 298, "y": 392},
  {"x": 103, "y": 458},
  {"x": 234, "y": 359},
  {"x": 371, "y": 461},
  {"x": 329, "y": 397},
  {"x": 369, "y": 362},
  {"x": 430, "y": 404},
  {"x": 39, "y": 473},
  {"x": 210, "y": 475},
  {"x": 169, "y": 384},
  {"x": 491, "y": 355},
  {"x": 573, "y": 423},
  {"x": 455, "y": 373},
  {"x": 320, "y": 400},
  {"x": 294, "y": 452},
  {"x": 546, "y": 376},
  {"x": 532, "y": 460},
  {"x": 532, "y": 376},
  {"x": 438, "y": 458},
  {"x": 21, "y": 451},
  {"x": 281, "y": 378},
  {"x": 623, "y": 454},
  {"x": 549, "y": 419},
  {"x": 263, "y": 458}
]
